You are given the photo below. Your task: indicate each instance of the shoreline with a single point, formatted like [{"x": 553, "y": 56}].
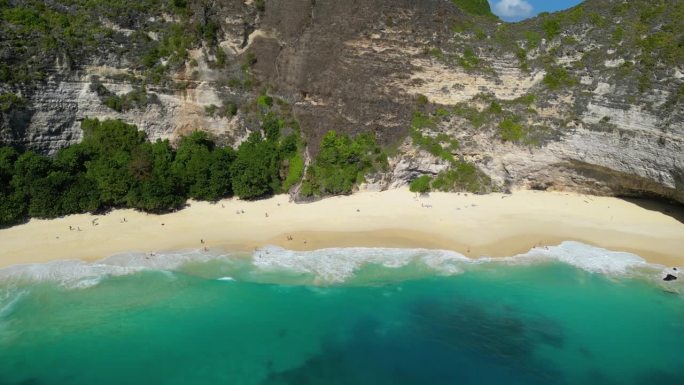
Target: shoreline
[{"x": 493, "y": 225}]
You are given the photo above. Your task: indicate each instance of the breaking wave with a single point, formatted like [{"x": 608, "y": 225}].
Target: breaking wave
[
  {"x": 80, "y": 274},
  {"x": 324, "y": 266}
]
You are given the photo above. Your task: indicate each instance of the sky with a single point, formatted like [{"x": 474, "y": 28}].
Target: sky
[{"x": 516, "y": 10}]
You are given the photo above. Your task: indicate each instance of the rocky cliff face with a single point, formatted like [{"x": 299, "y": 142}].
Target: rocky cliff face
[{"x": 588, "y": 99}]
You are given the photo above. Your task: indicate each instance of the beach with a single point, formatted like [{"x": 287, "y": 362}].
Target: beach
[
  {"x": 494, "y": 225},
  {"x": 311, "y": 306}
]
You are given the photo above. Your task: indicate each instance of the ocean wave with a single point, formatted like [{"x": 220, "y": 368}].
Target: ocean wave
[
  {"x": 80, "y": 274},
  {"x": 589, "y": 258},
  {"x": 9, "y": 300},
  {"x": 336, "y": 265},
  {"x": 324, "y": 266}
]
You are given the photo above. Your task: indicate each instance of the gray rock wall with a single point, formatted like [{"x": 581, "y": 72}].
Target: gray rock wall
[{"x": 360, "y": 67}]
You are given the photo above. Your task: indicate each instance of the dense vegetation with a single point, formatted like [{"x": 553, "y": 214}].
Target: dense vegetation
[
  {"x": 341, "y": 163},
  {"x": 115, "y": 166}
]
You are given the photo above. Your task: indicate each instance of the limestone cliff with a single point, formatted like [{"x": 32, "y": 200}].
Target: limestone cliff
[{"x": 588, "y": 99}]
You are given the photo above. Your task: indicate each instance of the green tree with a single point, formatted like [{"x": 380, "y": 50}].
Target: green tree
[
  {"x": 73, "y": 159},
  {"x": 81, "y": 195},
  {"x": 220, "y": 182},
  {"x": 155, "y": 188},
  {"x": 29, "y": 169},
  {"x": 12, "y": 205},
  {"x": 13, "y": 208},
  {"x": 46, "y": 195},
  {"x": 112, "y": 176},
  {"x": 203, "y": 169},
  {"x": 255, "y": 169},
  {"x": 111, "y": 143},
  {"x": 193, "y": 162},
  {"x": 109, "y": 137},
  {"x": 8, "y": 156}
]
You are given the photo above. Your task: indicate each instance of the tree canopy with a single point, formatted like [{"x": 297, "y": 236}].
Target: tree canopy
[{"x": 116, "y": 166}]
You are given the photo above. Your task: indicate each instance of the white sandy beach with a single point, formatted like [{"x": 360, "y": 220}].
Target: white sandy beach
[{"x": 475, "y": 225}]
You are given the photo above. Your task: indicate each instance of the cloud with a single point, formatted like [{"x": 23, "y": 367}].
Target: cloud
[{"x": 513, "y": 9}]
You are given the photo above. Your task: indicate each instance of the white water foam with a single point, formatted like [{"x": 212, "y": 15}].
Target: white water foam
[
  {"x": 333, "y": 265},
  {"x": 336, "y": 265},
  {"x": 589, "y": 258},
  {"x": 79, "y": 274}
]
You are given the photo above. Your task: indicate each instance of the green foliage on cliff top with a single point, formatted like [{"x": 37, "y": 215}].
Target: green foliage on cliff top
[{"x": 475, "y": 7}]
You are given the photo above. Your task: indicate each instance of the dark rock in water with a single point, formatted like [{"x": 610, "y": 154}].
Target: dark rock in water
[{"x": 670, "y": 277}]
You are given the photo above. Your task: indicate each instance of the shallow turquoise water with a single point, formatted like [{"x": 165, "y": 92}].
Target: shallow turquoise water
[{"x": 492, "y": 323}]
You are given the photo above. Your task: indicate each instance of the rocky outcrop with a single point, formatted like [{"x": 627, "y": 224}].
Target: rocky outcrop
[
  {"x": 612, "y": 124},
  {"x": 60, "y": 105}
]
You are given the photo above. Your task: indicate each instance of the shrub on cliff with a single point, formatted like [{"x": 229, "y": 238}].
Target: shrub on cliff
[
  {"x": 475, "y": 7},
  {"x": 420, "y": 184},
  {"x": 341, "y": 163}
]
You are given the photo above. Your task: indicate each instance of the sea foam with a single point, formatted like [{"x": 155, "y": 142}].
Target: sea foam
[
  {"x": 336, "y": 265},
  {"x": 81, "y": 274},
  {"x": 327, "y": 266},
  {"x": 590, "y": 258}
]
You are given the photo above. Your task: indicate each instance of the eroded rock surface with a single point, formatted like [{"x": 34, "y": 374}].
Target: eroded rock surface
[{"x": 362, "y": 66}]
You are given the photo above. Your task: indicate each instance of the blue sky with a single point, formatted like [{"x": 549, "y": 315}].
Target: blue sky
[{"x": 516, "y": 10}]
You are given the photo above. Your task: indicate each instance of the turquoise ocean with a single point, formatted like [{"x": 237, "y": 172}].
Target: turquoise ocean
[{"x": 568, "y": 314}]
